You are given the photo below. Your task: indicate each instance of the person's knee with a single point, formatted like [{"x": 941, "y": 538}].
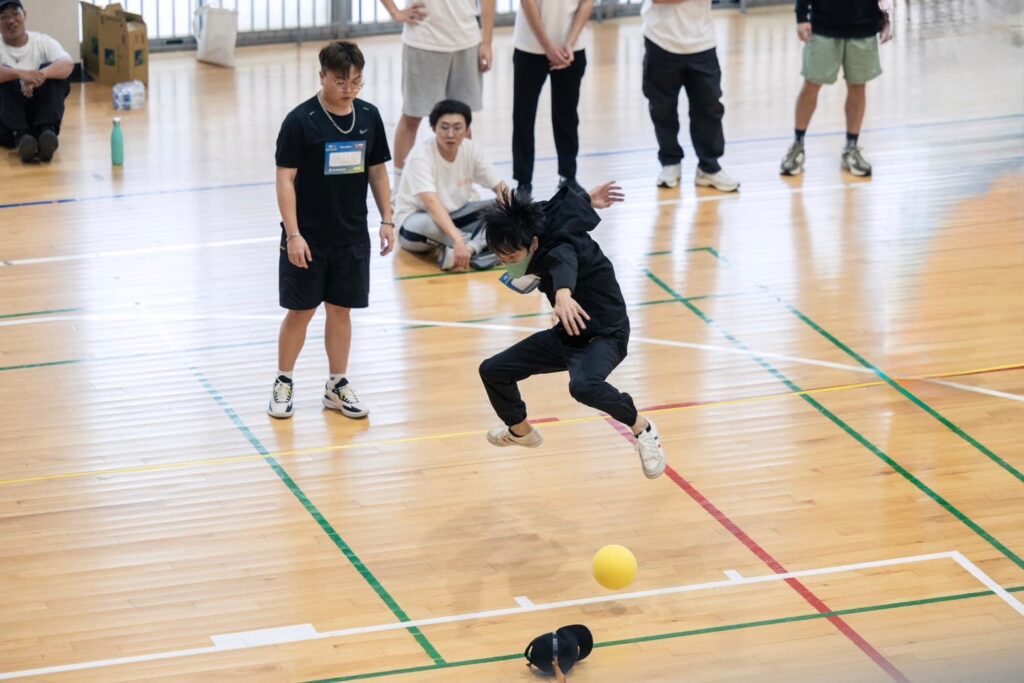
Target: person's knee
[
  {"x": 299, "y": 318},
  {"x": 488, "y": 370},
  {"x": 338, "y": 313},
  {"x": 584, "y": 389},
  {"x": 812, "y": 89},
  {"x": 409, "y": 122},
  {"x": 856, "y": 89}
]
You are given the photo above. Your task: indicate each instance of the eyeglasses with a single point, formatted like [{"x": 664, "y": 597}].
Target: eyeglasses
[{"x": 351, "y": 86}]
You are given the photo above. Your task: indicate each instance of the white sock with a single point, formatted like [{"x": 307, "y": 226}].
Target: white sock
[
  {"x": 282, "y": 373},
  {"x": 335, "y": 379}
]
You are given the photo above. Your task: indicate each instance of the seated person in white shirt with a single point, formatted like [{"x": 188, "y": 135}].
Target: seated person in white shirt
[
  {"x": 436, "y": 205},
  {"x": 34, "y": 71}
]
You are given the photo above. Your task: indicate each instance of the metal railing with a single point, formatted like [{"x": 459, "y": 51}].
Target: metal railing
[{"x": 268, "y": 21}]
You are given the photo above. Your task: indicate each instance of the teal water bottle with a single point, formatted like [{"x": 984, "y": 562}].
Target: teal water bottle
[{"x": 117, "y": 143}]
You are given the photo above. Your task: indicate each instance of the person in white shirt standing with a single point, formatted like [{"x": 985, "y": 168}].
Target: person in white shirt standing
[
  {"x": 444, "y": 55},
  {"x": 34, "y": 69},
  {"x": 679, "y": 52},
  {"x": 547, "y": 40},
  {"x": 437, "y": 205}
]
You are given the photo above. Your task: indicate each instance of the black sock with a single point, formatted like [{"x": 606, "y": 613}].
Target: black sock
[
  {"x": 800, "y": 134},
  {"x": 518, "y": 436},
  {"x": 851, "y": 139}
]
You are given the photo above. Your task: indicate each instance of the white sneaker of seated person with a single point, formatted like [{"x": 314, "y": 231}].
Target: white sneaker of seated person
[{"x": 502, "y": 436}]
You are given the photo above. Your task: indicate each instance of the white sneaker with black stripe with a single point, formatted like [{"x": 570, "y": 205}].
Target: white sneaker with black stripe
[
  {"x": 502, "y": 437},
  {"x": 342, "y": 397},
  {"x": 281, "y": 405},
  {"x": 648, "y": 447}
]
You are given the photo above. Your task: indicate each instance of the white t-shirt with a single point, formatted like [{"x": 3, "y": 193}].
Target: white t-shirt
[
  {"x": 40, "y": 49},
  {"x": 450, "y": 26},
  {"x": 452, "y": 181},
  {"x": 683, "y": 28},
  {"x": 556, "y": 16}
]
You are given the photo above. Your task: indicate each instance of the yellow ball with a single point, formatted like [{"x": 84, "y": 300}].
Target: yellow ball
[{"x": 614, "y": 567}]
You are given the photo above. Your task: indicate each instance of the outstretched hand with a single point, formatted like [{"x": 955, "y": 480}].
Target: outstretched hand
[
  {"x": 603, "y": 196},
  {"x": 569, "y": 313}
]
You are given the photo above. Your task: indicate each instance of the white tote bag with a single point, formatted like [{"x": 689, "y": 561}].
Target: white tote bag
[{"x": 215, "y": 30}]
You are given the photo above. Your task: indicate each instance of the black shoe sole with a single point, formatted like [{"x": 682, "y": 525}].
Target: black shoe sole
[
  {"x": 28, "y": 148},
  {"x": 48, "y": 144}
]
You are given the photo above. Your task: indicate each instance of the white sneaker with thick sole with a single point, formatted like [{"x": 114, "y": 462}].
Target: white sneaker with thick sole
[
  {"x": 281, "y": 405},
  {"x": 342, "y": 397},
  {"x": 670, "y": 175},
  {"x": 720, "y": 181},
  {"x": 502, "y": 436},
  {"x": 648, "y": 447}
]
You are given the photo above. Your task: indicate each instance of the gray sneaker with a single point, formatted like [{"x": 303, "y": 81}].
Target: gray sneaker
[
  {"x": 793, "y": 162},
  {"x": 855, "y": 163}
]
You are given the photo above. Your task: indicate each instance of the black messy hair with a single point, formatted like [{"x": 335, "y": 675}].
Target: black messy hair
[
  {"x": 512, "y": 222},
  {"x": 451, "y": 107},
  {"x": 341, "y": 57}
]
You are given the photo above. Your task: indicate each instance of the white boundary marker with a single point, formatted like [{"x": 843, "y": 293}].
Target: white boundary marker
[
  {"x": 378, "y": 321},
  {"x": 733, "y": 574},
  {"x": 305, "y": 632},
  {"x": 891, "y": 187}
]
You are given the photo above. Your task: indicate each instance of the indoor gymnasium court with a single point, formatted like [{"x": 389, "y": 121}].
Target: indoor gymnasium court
[{"x": 835, "y": 364}]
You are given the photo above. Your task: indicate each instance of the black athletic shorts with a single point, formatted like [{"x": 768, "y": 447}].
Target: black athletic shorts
[{"x": 337, "y": 275}]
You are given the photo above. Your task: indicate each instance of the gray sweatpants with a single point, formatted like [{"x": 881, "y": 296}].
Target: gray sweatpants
[{"x": 420, "y": 234}]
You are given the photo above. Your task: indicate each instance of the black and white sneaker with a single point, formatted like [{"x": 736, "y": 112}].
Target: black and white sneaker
[
  {"x": 281, "y": 398},
  {"x": 342, "y": 397}
]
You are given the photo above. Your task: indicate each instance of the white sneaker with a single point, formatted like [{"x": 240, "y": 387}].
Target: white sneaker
[
  {"x": 446, "y": 258},
  {"x": 502, "y": 436},
  {"x": 721, "y": 181},
  {"x": 281, "y": 398},
  {"x": 648, "y": 447},
  {"x": 670, "y": 175},
  {"x": 342, "y": 397}
]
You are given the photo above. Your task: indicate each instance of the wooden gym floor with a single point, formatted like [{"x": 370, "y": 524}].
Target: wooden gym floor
[{"x": 836, "y": 366}]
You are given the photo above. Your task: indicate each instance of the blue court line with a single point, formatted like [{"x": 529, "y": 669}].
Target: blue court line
[{"x": 587, "y": 155}]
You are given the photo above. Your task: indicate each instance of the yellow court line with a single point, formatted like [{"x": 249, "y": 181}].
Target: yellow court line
[{"x": 229, "y": 460}]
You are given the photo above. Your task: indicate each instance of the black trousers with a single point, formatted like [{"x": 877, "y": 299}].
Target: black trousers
[
  {"x": 589, "y": 365},
  {"x": 529, "y": 71},
  {"x": 665, "y": 73},
  {"x": 20, "y": 114}
]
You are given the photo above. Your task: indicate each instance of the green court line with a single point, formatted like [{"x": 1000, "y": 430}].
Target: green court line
[
  {"x": 882, "y": 375},
  {"x": 321, "y": 521},
  {"x": 684, "y": 634},
  {"x": 835, "y": 419},
  {"x": 29, "y": 314}
]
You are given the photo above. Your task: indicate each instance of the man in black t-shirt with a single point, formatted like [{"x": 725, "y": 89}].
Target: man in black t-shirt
[
  {"x": 331, "y": 148},
  {"x": 547, "y": 245}
]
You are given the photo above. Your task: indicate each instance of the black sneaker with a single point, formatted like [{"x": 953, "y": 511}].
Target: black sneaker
[
  {"x": 48, "y": 144},
  {"x": 27, "y": 148}
]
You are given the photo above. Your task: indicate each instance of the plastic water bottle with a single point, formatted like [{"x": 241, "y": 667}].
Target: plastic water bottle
[
  {"x": 129, "y": 95},
  {"x": 117, "y": 143}
]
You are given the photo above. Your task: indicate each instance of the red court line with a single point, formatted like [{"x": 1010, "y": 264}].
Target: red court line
[{"x": 773, "y": 564}]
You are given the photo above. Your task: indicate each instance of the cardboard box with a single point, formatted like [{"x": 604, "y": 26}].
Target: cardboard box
[
  {"x": 115, "y": 46},
  {"x": 91, "y": 38}
]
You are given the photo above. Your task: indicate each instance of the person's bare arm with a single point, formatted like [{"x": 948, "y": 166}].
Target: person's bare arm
[
  {"x": 579, "y": 21},
  {"x": 298, "y": 251},
  {"x": 380, "y": 186},
  {"x": 413, "y": 14},
  {"x": 488, "y": 10},
  {"x": 59, "y": 70},
  {"x": 552, "y": 50},
  {"x": 432, "y": 203}
]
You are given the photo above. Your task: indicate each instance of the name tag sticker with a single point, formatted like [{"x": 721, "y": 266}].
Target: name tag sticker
[{"x": 344, "y": 158}]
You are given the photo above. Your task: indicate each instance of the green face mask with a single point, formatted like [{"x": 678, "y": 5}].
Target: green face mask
[{"x": 518, "y": 268}]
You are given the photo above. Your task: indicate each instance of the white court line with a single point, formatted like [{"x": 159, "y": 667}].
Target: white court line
[
  {"x": 733, "y": 574},
  {"x": 989, "y": 583},
  {"x": 888, "y": 187},
  {"x": 234, "y": 642},
  {"x": 978, "y": 390},
  {"x": 523, "y": 601},
  {"x": 376, "y": 320}
]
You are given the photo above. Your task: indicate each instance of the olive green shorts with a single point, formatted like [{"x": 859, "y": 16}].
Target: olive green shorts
[{"x": 858, "y": 56}]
